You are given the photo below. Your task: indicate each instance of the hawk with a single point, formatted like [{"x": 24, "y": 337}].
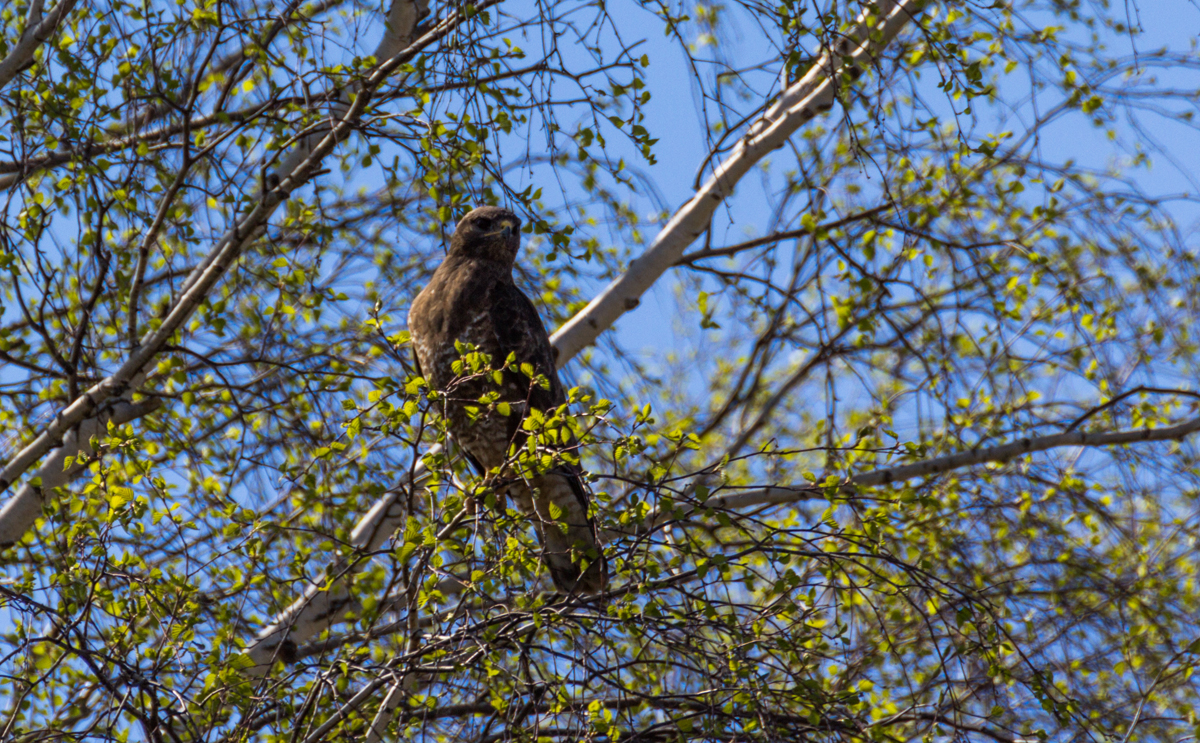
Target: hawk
[{"x": 472, "y": 300}]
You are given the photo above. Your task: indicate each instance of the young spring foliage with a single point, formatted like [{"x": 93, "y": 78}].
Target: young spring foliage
[{"x": 899, "y": 444}]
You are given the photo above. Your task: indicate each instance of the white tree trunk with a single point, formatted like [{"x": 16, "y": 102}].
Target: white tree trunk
[
  {"x": 26, "y": 504},
  {"x": 37, "y": 30},
  {"x": 813, "y": 94},
  {"x": 17, "y": 514},
  {"x": 319, "y": 608}
]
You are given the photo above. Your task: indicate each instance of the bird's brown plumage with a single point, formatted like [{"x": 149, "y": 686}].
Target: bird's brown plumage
[{"x": 472, "y": 299}]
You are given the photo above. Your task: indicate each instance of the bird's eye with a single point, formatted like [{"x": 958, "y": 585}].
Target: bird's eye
[{"x": 482, "y": 223}]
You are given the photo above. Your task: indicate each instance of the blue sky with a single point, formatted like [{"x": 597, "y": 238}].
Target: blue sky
[{"x": 673, "y": 117}]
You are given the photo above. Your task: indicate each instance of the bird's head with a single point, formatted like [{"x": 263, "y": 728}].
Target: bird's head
[{"x": 489, "y": 232}]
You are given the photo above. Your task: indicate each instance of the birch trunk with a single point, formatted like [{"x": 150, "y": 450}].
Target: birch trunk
[
  {"x": 813, "y": 94},
  {"x": 81, "y": 443},
  {"x": 321, "y": 607},
  {"x": 85, "y": 414},
  {"x": 38, "y": 29}
]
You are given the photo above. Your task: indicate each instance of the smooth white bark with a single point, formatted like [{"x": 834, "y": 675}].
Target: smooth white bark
[
  {"x": 37, "y": 30},
  {"x": 25, "y": 505},
  {"x": 813, "y": 94},
  {"x": 15, "y": 515},
  {"x": 321, "y": 607}
]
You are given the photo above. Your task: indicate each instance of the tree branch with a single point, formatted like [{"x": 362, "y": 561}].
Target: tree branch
[
  {"x": 37, "y": 30},
  {"x": 298, "y": 167},
  {"x": 813, "y": 94},
  {"x": 23, "y": 508},
  {"x": 321, "y": 607},
  {"x": 777, "y": 495},
  {"x": 779, "y": 237}
]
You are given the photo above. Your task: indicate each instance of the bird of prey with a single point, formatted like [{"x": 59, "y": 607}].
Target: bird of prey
[{"x": 471, "y": 301}]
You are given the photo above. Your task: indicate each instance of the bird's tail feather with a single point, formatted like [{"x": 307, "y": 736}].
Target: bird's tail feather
[{"x": 570, "y": 545}]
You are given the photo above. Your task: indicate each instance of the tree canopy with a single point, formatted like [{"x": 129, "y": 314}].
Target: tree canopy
[{"x": 875, "y": 315}]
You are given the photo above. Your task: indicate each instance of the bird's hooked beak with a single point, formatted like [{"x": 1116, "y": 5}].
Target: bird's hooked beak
[{"x": 506, "y": 229}]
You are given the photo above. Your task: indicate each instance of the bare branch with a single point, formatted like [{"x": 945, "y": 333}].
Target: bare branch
[
  {"x": 730, "y": 250},
  {"x": 321, "y": 607},
  {"x": 813, "y": 94},
  {"x": 777, "y": 495},
  {"x": 300, "y": 166},
  {"x": 37, "y": 30}
]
